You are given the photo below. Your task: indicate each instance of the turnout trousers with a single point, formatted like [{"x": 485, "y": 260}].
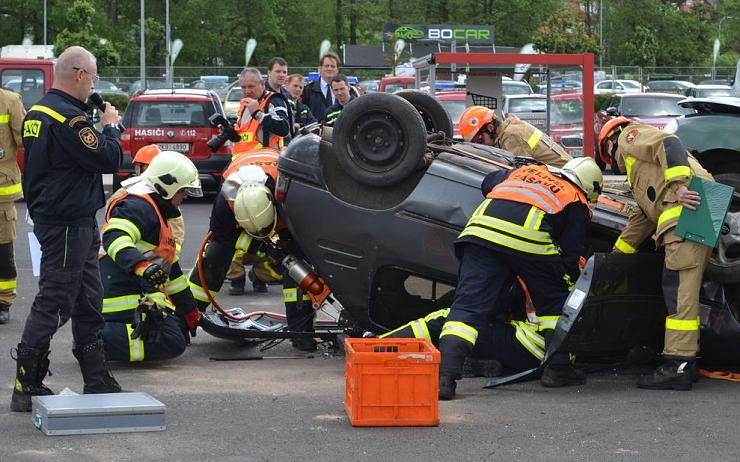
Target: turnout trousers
[
  {"x": 166, "y": 343},
  {"x": 69, "y": 286}
]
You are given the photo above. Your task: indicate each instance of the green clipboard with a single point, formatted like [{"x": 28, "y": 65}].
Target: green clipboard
[{"x": 704, "y": 224}]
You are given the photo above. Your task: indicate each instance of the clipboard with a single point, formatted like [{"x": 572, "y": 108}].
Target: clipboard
[{"x": 704, "y": 225}]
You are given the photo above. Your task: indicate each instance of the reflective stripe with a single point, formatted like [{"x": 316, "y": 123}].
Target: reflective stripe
[
  {"x": 534, "y": 219},
  {"x": 520, "y": 231},
  {"x": 48, "y": 111},
  {"x": 274, "y": 274},
  {"x": 124, "y": 225},
  {"x": 243, "y": 241},
  {"x": 459, "y": 329},
  {"x": 135, "y": 346},
  {"x": 420, "y": 329},
  {"x": 4, "y": 118},
  {"x": 534, "y": 139},
  {"x": 290, "y": 295},
  {"x": 119, "y": 244},
  {"x": 199, "y": 293},
  {"x": 8, "y": 284},
  {"x": 510, "y": 242},
  {"x": 333, "y": 115},
  {"x": 682, "y": 324},
  {"x": 547, "y": 322},
  {"x": 12, "y": 189},
  {"x": 118, "y": 304},
  {"x": 624, "y": 247},
  {"x": 176, "y": 286},
  {"x": 437, "y": 314},
  {"x": 161, "y": 300},
  {"x": 145, "y": 246},
  {"x": 535, "y": 196},
  {"x": 670, "y": 214},
  {"x": 674, "y": 172},
  {"x": 530, "y": 340},
  {"x": 629, "y": 161}
]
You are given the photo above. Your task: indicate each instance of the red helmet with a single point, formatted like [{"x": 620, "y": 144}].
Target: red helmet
[
  {"x": 612, "y": 127},
  {"x": 146, "y": 154},
  {"x": 473, "y": 119}
]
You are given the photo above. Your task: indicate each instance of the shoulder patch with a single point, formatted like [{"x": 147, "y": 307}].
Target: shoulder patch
[
  {"x": 75, "y": 120},
  {"x": 89, "y": 138},
  {"x": 632, "y": 135}
]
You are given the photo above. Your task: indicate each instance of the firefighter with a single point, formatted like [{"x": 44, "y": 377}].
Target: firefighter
[
  {"x": 11, "y": 117},
  {"x": 481, "y": 125},
  {"x": 141, "y": 161},
  {"x": 140, "y": 258},
  {"x": 244, "y": 215},
  {"x": 533, "y": 225},
  {"x": 658, "y": 171},
  {"x": 263, "y": 119},
  {"x": 343, "y": 97}
]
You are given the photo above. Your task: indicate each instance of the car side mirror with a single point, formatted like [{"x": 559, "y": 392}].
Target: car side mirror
[{"x": 612, "y": 111}]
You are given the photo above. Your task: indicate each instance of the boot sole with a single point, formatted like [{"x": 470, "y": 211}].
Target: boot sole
[{"x": 20, "y": 404}]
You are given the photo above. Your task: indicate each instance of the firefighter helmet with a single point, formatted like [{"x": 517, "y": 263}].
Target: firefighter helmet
[
  {"x": 473, "y": 119},
  {"x": 585, "y": 174},
  {"x": 610, "y": 128},
  {"x": 146, "y": 154},
  {"x": 169, "y": 172},
  {"x": 254, "y": 209}
]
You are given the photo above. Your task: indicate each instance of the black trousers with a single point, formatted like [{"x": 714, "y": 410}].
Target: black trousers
[
  {"x": 168, "y": 343},
  {"x": 69, "y": 286}
]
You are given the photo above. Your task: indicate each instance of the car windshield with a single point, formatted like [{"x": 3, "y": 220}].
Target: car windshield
[
  {"x": 391, "y": 87},
  {"x": 172, "y": 113},
  {"x": 511, "y": 88},
  {"x": 707, "y": 92},
  {"x": 653, "y": 107},
  {"x": 235, "y": 95},
  {"x": 527, "y": 105},
  {"x": 628, "y": 84},
  {"x": 454, "y": 109},
  {"x": 566, "y": 112}
]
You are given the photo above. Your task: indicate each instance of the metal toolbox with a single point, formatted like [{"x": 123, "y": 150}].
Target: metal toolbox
[{"x": 103, "y": 413}]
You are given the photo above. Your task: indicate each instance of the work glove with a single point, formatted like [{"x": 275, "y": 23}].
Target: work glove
[
  {"x": 189, "y": 324},
  {"x": 152, "y": 273}
]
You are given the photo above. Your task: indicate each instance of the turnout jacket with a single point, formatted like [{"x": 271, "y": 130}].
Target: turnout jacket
[
  {"x": 656, "y": 163},
  {"x": 11, "y": 116},
  {"x": 133, "y": 229},
  {"x": 523, "y": 139},
  {"x": 64, "y": 159},
  {"x": 269, "y": 127}
]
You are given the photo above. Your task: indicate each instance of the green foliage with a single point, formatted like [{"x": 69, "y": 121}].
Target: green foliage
[
  {"x": 642, "y": 48},
  {"x": 564, "y": 32},
  {"x": 80, "y": 32},
  {"x": 600, "y": 100},
  {"x": 117, "y": 100}
]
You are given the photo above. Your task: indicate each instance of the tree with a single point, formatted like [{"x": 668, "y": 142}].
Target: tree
[
  {"x": 642, "y": 48},
  {"x": 564, "y": 32},
  {"x": 79, "y": 31}
]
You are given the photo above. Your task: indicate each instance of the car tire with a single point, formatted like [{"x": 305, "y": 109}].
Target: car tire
[
  {"x": 724, "y": 263},
  {"x": 435, "y": 116},
  {"x": 379, "y": 139}
]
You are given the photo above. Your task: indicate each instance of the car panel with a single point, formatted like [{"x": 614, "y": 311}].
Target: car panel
[
  {"x": 617, "y": 86},
  {"x": 707, "y": 91}
]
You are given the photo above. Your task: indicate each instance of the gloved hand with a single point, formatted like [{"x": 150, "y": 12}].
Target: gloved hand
[
  {"x": 192, "y": 319},
  {"x": 151, "y": 273}
]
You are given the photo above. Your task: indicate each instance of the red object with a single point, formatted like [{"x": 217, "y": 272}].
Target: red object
[
  {"x": 391, "y": 382},
  {"x": 146, "y": 154},
  {"x": 454, "y": 103},
  {"x": 392, "y": 84},
  {"x": 192, "y": 318}
]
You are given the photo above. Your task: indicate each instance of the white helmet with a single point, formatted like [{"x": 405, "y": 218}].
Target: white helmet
[
  {"x": 254, "y": 209},
  {"x": 170, "y": 172},
  {"x": 585, "y": 174}
]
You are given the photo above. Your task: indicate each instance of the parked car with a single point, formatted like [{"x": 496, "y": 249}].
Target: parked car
[
  {"x": 530, "y": 108},
  {"x": 175, "y": 120},
  {"x": 370, "y": 85},
  {"x": 454, "y": 103},
  {"x": 706, "y": 91},
  {"x": 566, "y": 122},
  {"x": 560, "y": 85},
  {"x": 392, "y": 84},
  {"x": 514, "y": 87},
  {"x": 136, "y": 87},
  {"x": 107, "y": 87},
  {"x": 617, "y": 86},
  {"x": 678, "y": 87},
  {"x": 231, "y": 101},
  {"x": 379, "y": 227}
]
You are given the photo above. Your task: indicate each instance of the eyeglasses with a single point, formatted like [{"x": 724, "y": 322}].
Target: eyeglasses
[{"x": 95, "y": 77}]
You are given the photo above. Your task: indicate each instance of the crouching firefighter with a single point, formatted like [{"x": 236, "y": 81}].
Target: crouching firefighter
[
  {"x": 533, "y": 225},
  {"x": 242, "y": 219},
  {"x": 658, "y": 171},
  {"x": 148, "y": 308}
]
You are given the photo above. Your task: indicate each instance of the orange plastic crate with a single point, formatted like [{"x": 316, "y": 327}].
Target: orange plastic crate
[{"x": 391, "y": 382}]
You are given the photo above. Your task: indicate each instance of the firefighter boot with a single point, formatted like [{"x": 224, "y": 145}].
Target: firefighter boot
[
  {"x": 237, "y": 286},
  {"x": 31, "y": 368},
  {"x": 454, "y": 350},
  {"x": 473, "y": 367},
  {"x": 4, "y": 313},
  {"x": 560, "y": 372},
  {"x": 674, "y": 374},
  {"x": 258, "y": 286},
  {"x": 95, "y": 372}
]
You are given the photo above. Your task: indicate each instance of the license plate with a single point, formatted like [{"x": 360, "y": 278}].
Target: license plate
[
  {"x": 576, "y": 152},
  {"x": 182, "y": 148}
]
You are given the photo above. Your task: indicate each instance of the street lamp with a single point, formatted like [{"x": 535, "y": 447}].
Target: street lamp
[{"x": 717, "y": 43}]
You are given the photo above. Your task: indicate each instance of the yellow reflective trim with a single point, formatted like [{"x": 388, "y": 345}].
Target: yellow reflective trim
[
  {"x": 534, "y": 139},
  {"x": 199, "y": 293},
  {"x": 519, "y": 231},
  {"x": 177, "y": 285},
  {"x": 274, "y": 274},
  {"x": 145, "y": 246},
  {"x": 420, "y": 329},
  {"x": 124, "y": 225},
  {"x": 290, "y": 295},
  {"x": 48, "y": 111},
  {"x": 670, "y": 214},
  {"x": 460, "y": 329},
  {"x": 243, "y": 241},
  {"x": 624, "y": 247},
  {"x": 12, "y": 189},
  {"x": 527, "y": 341},
  {"x": 9, "y": 284},
  {"x": 4, "y": 118},
  {"x": 135, "y": 346},
  {"x": 509, "y": 242},
  {"x": 118, "y": 304},
  {"x": 119, "y": 244},
  {"x": 674, "y": 172},
  {"x": 547, "y": 322},
  {"x": 682, "y": 324},
  {"x": 436, "y": 314},
  {"x": 629, "y": 161}
]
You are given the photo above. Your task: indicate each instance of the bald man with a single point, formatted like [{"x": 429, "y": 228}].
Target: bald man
[{"x": 65, "y": 157}]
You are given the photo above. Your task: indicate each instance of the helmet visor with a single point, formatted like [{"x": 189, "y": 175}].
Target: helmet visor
[{"x": 193, "y": 188}]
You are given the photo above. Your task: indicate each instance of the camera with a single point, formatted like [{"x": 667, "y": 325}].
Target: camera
[{"x": 228, "y": 132}]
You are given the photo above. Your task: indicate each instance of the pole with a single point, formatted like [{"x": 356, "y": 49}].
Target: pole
[
  {"x": 45, "y": 22},
  {"x": 142, "y": 50},
  {"x": 168, "y": 62},
  {"x": 601, "y": 34}
]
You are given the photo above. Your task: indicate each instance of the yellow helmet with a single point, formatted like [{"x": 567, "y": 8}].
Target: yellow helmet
[
  {"x": 585, "y": 174},
  {"x": 254, "y": 209},
  {"x": 170, "y": 172}
]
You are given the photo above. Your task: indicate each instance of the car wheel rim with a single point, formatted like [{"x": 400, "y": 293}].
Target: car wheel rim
[
  {"x": 378, "y": 142},
  {"x": 728, "y": 252}
]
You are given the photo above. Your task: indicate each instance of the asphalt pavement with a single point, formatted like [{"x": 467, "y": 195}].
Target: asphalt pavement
[{"x": 292, "y": 409}]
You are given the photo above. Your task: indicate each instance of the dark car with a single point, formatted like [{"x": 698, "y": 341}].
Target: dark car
[
  {"x": 175, "y": 120},
  {"x": 677, "y": 87},
  {"x": 377, "y": 217}
]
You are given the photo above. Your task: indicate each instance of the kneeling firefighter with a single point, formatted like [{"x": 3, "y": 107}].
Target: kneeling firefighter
[
  {"x": 533, "y": 225},
  {"x": 243, "y": 218},
  {"x": 148, "y": 308}
]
